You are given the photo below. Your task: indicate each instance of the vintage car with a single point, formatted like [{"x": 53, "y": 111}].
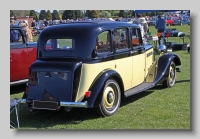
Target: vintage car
[
  {"x": 186, "y": 21},
  {"x": 177, "y": 22},
  {"x": 169, "y": 21},
  {"x": 96, "y": 65},
  {"x": 22, "y": 55}
]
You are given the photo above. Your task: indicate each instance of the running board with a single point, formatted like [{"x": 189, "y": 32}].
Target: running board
[{"x": 142, "y": 87}]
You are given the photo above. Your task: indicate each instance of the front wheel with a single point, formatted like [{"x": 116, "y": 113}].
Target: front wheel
[
  {"x": 171, "y": 79},
  {"x": 111, "y": 99}
]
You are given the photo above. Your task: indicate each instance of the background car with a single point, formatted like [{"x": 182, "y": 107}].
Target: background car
[
  {"x": 177, "y": 22},
  {"x": 22, "y": 55},
  {"x": 186, "y": 21}
]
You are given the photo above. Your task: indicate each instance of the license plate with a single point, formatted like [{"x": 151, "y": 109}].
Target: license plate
[{"x": 48, "y": 105}]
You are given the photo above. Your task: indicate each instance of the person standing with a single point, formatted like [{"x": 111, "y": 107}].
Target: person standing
[{"x": 160, "y": 26}]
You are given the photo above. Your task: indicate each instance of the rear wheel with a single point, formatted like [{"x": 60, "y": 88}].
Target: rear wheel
[
  {"x": 111, "y": 99},
  {"x": 171, "y": 79}
]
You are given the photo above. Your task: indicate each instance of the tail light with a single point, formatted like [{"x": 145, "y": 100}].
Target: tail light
[
  {"x": 33, "y": 78},
  {"x": 87, "y": 94}
]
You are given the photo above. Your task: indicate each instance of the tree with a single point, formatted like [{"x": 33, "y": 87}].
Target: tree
[
  {"x": 33, "y": 13},
  {"x": 19, "y": 13},
  {"x": 55, "y": 15},
  {"x": 112, "y": 12},
  {"x": 48, "y": 15},
  {"x": 92, "y": 13},
  {"x": 78, "y": 14},
  {"x": 105, "y": 14},
  {"x": 65, "y": 15},
  {"x": 60, "y": 12},
  {"x": 69, "y": 14},
  {"x": 11, "y": 13},
  {"x": 122, "y": 13},
  {"x": 42, "y": 15}
]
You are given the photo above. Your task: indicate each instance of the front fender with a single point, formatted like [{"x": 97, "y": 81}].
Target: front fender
[
  {"x": 98, "y": 85},
  {"x": 163, "y": 66}
]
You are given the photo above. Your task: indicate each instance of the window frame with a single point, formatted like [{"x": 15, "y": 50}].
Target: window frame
[
  {"x": 139, "y": 36},
  {"x": 14, "y": 44},
  {"x": 60, "y": 49},
  {"x": 128, "y": 48},
  {"x": 103, "y": 54}
]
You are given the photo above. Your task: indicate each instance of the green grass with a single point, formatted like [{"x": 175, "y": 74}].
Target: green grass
[{"x": 157, "y": 108}]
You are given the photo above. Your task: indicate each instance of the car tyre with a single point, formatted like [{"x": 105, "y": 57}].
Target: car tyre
[
  {"x": 171, "y": 79},
  {"x": 111, "y": 99}
]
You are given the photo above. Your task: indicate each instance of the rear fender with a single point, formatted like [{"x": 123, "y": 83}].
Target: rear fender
[
  {"x": 98, "y": 85},
  {"x": 163, "y": 66}
]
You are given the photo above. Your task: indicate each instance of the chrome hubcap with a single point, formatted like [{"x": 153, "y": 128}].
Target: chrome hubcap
[{"x": 110, "y": 97}]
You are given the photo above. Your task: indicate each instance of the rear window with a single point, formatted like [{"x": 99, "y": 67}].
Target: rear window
[{"x": 60, "y": 44}]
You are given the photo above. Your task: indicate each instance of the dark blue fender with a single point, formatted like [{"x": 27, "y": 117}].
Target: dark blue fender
[
  {"x": 163, "y": 66},
  {"x": 98, "y": 85}
]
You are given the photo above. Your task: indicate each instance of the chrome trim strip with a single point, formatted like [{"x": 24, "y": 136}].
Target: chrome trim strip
[
  {"x": 64, "y": 103},
  {"x": 18, "y": 82},
  {"x": 74, "y": 104}
]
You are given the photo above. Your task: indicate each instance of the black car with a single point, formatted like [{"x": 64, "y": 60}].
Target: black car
[{"x": 94, "y": 65}]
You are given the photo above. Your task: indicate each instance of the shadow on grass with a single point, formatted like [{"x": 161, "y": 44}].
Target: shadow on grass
[
  {"x": 17, "y": 89},
  {"x": 46, "y": 119},
  {"x": 135, "y": 97},
  {"x": 181, "y": 81}
]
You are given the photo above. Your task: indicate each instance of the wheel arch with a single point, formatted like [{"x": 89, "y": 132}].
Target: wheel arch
[
  {"x": 163, "y": 66},
  {"x": 98, "y": 84}
]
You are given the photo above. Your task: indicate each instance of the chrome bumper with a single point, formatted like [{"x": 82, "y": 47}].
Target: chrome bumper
[
  {"x": 74, "y": 104},
  {"x": 64, "y": 104}
]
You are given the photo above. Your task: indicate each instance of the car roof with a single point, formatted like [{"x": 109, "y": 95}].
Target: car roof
[
  {"x": 83, "y": 32},
  {"x": 98, "y": 23}
]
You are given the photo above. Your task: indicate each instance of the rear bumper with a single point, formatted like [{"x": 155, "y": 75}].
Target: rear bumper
[
  {"x": 74, "y": 104},
  {"x": 64, "y": 103}
]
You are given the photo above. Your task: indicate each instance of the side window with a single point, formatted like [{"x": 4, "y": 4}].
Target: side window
[
  {"x": 136, "y": 37},
  {"x": 15, "y": 37},
  {"x": 60, "y": 44},
  {"x": 120, "y": 39},
  {"x": 103, "y": 43}
]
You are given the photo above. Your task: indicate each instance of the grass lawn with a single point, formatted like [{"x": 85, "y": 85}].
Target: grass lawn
[{"x": 157, "y": 108}]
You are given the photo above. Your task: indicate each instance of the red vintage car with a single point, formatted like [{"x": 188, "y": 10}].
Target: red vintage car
[
  {"x": 22, "y": 55},
  {"x": 169, "y": 21}
]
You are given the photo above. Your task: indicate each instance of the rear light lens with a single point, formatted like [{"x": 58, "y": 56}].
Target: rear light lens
[
  {"x": 87, "y": 94},
  {"x": 32, "y": 78}
]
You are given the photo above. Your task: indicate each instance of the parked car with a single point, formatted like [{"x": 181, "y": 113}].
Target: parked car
[
  {"x": 96, "y": 65},
  {"x": 177, "y": 22},
  {"x": 169, "y": 21},
  {"x": 186, "y": 21},
  {"x": 22, "y": 55}
]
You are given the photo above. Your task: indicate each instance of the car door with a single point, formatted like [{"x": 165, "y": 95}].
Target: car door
[
  {"x": 19, "y": 61},
  {"x": 123, "y": 59},
  {"x": 138, "y": 57}
]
